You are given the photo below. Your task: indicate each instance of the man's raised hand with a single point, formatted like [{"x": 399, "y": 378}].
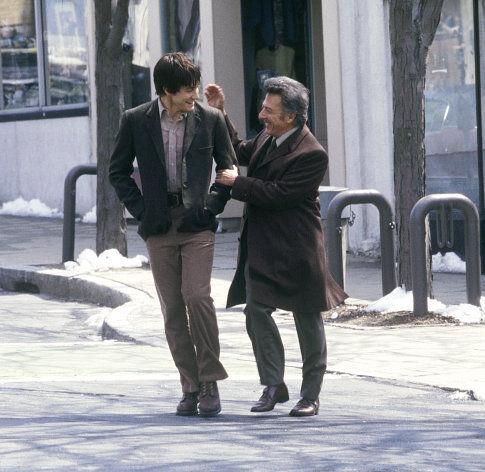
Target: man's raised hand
[{"x": 215, "y": 96}]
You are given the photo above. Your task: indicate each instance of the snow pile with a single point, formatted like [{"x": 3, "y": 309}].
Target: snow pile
[
  {"x": 457, "y": 395},
  {"x": 96, "y": 321},
  {"x": 479, "y": 391},
  {"x": 401, "y": 300},
  {"x": 90, "y": 216},
  {"x": 35, "y": 207},
  {"x": 450, "y": 262},
  {"x": 465, "y": 313},
  {"x": 88, "y": 261}
]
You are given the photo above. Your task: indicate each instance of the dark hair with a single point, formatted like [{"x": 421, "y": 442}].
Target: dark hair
[
  {"x": 173, "y": 71},
  {"x": 294, "y": 96}
]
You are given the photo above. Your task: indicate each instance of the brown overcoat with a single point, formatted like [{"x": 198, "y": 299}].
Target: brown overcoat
[{"x": 281, "y": 234}]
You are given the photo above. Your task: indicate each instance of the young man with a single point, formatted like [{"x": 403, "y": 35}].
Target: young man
[
  {"x": 282, "y": 255},
  {"x": 175, "y": 140}
]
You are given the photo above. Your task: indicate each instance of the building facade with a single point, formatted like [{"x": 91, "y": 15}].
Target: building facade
[{"x": 340, "y": 49}]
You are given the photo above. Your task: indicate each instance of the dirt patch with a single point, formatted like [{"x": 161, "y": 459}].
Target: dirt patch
[{"x": 354, "y": 314}]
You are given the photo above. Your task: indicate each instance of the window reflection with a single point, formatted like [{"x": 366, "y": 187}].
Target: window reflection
[
  {"x": 66, "y": 52},
  {"x": 19, "y": 82},
  {"x": 135, "y": 42},
  {"x": 275, "y": 42},
  {"x": 450, "y": 111},
  {"x": 181, "y": 29}
]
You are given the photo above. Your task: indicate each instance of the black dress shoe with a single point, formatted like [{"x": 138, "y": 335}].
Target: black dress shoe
[
  {"x": 272, "y": 395},
  {"x": 188, "y": 405},
  {"x": 306, "y": 407}
]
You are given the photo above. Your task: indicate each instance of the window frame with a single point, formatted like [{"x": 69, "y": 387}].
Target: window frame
[{"x": 45, "y": 110}]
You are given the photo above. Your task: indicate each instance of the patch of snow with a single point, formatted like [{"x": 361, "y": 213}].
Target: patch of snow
[
  {"x": 450, "y": 262},
  {"x": 464, "y": 312},
  {"x": 90, "y": 216},
  {"x": 479, "y": 391},
  {"x": 334, "y": 315},
  {"x": 88, "y": 261},
  {"x": 401, "y": 300},
  {"x": 460, "y": 396},
  {"x": 96, "y": 321},
  {"x": 35, "y": 207}
]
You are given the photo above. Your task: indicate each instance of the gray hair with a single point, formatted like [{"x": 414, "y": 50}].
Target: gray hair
[{"x": 294, "y": 96}]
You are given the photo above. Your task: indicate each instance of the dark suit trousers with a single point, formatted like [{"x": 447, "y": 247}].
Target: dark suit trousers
[
  {"x": 269, "y": 351},
  {"x": 181, "y": 265}
]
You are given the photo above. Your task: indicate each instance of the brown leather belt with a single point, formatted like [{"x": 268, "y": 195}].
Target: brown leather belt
[{"x": 174, "y": 199}]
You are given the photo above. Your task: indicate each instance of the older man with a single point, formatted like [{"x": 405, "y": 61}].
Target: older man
[{"x": 281, "y": 257}]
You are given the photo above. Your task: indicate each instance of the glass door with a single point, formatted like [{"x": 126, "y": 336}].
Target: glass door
[
  {"x": 450, "y": 105},
  {"x": 276, "y": 41}
]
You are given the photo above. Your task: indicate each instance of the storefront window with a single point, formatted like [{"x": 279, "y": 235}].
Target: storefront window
[
  {"x": 275, "y": 42},
  {"x": 67, "y": 80},
  {"x": 43, "y": 53},
  {"x": 19, "y": 80},
  {"x": 181, "y": 31},
  {"x": 450, "y": 105},
  {"x": 135, "y": 42}
]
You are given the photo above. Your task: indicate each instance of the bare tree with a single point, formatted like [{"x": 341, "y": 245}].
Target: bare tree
[
  {"x": 110, "y": 19},
  {"x": 412, "y": 24}
]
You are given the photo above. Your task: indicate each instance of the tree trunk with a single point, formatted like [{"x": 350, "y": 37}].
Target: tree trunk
[
  {"x": 413, "y": 24},
  {"x": 110, "y": 26}
]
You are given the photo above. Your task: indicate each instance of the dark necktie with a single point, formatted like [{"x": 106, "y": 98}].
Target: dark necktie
[
  {"x": 264, "y": 153},
  {"x": 272, "y": 146}
]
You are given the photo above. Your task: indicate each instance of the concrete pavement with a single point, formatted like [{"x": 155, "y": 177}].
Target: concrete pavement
[{"x": 449, "y": 357}]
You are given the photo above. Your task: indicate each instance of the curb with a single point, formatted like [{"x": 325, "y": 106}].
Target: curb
[{"x": 83, "y": 288}]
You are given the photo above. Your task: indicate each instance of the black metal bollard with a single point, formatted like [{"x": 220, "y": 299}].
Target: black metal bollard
[
  {"x": 445, "y": 202},
  {"x": 70, "y": 208},
  {"x": 386, "y": 223}
]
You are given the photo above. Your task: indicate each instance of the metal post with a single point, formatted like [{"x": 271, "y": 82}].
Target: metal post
[
  {"x": 386, "y": 223},
  {"x": 2, "y": 104},
  {"x": 70, "y": 208},
  {"x": 444, "y": 202},
  {"x": 478, "y": 103}
]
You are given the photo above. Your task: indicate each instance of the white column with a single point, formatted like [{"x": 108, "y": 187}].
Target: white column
[
  {"x": 333, "y": 93},
  {"x": 222, "y": 63},
  {"x": 154, "y": 36},
  {"x": 367, "y": 108},
  {"x": 222, "y": 55}
]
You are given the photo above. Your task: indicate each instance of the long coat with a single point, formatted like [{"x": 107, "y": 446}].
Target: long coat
[
  {"x": 206, "y": 140},
  {"x": 281, "y": 233}
]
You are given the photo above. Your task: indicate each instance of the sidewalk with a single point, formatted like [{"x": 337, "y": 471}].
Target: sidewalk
[{"x": 449, "y": 357}]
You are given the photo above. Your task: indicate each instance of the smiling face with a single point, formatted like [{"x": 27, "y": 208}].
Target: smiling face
[
  {"x": 277, "y": 122},
  {"x": 180, "y": 102}
]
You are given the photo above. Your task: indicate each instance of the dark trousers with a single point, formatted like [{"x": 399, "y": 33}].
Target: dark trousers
[{"x": 269, "y": 351}]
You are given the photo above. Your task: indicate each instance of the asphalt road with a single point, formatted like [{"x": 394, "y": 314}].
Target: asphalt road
[{"x": 72, "y": 402}]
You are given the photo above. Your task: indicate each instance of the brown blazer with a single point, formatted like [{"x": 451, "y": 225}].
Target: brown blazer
[{"x": 281, "y": 234}]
